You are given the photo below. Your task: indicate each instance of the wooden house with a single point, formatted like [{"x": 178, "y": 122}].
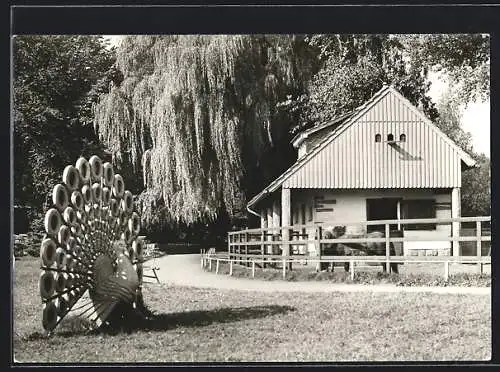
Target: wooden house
[{"x": 384, "y": 160}]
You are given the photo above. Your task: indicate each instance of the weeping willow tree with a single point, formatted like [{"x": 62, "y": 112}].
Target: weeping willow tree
[{"x": 195, "y": 112}]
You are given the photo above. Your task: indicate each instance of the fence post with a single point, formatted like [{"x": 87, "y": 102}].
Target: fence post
[
  {"x": 446, "y": 270},
  {"x": 387, "y": 248},
  {"x": 284, "y": 269},
  {"x": 229, "y": 244},
  {"x": 286, "y": 222},
  {"x": 210, "y": 264},
  {"x": 246, "y": 250},
  {"x": 318, "y": 247},
  {"x": 217, "y": 267},
  {"x": 239, "y": 248},
  {"x": 202, "y": 259},
  {"x": 262, "y": 247},
  {"x": 253, "y": 269},
  {"x": 351, "y": 269},
  {"x": 230, "y": 267},
  {"x": 478, "y": 246}
]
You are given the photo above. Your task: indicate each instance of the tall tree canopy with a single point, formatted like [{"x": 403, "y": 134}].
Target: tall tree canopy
[
  {"x": 209, "y": 118},
  {"x": 476, "y": 188},
  {"x": 56, "y": 79},
  {"x": 352, "y": 69},
  {"x": 199, "y": 111},
  {"x": 449, "y": 121},
  {"x": 463, "y": 58},
  {"x": 476, "y": 182}
]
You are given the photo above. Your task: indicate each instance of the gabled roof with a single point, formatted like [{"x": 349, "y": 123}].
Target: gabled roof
[
  {"x": 344, "y": 122},
  {"x": 302, "y": 136},
  {"x": 466, "y": 158}
]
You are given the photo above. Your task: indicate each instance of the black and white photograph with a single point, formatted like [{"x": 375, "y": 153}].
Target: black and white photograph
[{"x": 251, "y": 197}]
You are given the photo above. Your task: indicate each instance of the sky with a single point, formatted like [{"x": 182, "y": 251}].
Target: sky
[{"x": 475, "y": 118}]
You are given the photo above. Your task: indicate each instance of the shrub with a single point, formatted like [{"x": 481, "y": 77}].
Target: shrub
[{"x": 27, "y": 244}]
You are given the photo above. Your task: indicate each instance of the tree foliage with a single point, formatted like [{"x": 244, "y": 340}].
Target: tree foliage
[
  {"x": 449, "y": 121},
  {"x": 197, "y": 112},
  {"x": 352, "y": 68},
  {"x": 209, "y": 118},
  {"x": 463, "y": 58},
  {"x": 56, "y": 80},
  {"x": 476, "y": 188},
  {"x": 465, "y": 61},
  {"x": 476, "y": 182}
]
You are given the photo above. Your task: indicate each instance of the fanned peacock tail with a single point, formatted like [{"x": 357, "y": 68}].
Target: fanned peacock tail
[{"x": 91, "y": 254}]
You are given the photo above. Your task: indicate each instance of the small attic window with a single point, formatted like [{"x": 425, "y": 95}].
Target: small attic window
[
  {"x": 390, "y": 137},
  {"x": 402, "y": 138},
  {"x": 378, "y": 137}
]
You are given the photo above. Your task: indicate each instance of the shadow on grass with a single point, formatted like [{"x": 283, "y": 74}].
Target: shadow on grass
[{"x": 164, "y": 322}]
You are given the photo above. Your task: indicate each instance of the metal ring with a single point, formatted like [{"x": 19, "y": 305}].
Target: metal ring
[
  {"x": 95, "y": 168},
  {"x": 127, "y": 202},
  {"x": 77, "y": 200},
  {"x": 87, "y": 194},
  {"x": 83, "y": 167},
  {"x": 118, "y": 186},
  {"x": 63, "y": 235},
  {"x": 52, "y": 222},
  {"x": 71, "y": 177},
  {"x": 134, "y": 224},
  {"x": 47, "y": 284},
  {"x": 49, "y": 317},
  {"x": 108, "y": 174},
  {"x": 48, "y": 252},
  {"x": 69, "y": 216},
  {"x": 96, "y": 193},
  {"x": 60, "y": 197}
]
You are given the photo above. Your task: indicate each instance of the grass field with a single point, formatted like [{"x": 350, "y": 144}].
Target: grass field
[{"x": 201, "y": 325}]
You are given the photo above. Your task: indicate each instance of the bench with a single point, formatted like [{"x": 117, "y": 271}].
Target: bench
[{"x": 149, "y": 253}]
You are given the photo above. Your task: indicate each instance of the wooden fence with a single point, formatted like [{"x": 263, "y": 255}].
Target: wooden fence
[{"x": 251, "y": 246}]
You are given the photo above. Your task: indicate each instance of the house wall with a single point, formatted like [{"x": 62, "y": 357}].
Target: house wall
[{"x": 350, "y": 207}]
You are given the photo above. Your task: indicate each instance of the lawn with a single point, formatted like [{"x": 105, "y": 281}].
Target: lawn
[{"x": 202, "y": 325}]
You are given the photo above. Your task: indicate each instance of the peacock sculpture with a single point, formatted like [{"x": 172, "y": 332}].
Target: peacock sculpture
[{"x": 91, "y": 255}]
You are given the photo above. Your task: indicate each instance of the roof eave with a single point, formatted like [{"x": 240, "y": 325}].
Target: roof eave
[
  {"x": 298, "y": 139},
  {"x": 256, "y": 199},
  {"x": 261, "y": 195},
  {"x": 302, "y": 136},
  {"x": 468, "y": 161}
]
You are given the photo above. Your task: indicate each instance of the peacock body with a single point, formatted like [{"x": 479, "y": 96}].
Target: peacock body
[{"x": 91, "y": 255}]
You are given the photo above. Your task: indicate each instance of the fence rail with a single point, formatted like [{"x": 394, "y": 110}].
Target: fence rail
[
  {"x": 207, "y": 261},
  {"x": 251, "y": 246},
  {"x": 439, "y": 221}
]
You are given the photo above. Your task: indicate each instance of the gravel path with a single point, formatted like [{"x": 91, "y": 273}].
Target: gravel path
[{"x": 185, "y": 270}]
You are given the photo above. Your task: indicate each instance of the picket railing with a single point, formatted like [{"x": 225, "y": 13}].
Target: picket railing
[{"x": 251, "y": 246}]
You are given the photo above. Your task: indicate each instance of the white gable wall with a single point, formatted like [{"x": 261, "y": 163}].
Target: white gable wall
[{"x": 354, "y": 160}]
